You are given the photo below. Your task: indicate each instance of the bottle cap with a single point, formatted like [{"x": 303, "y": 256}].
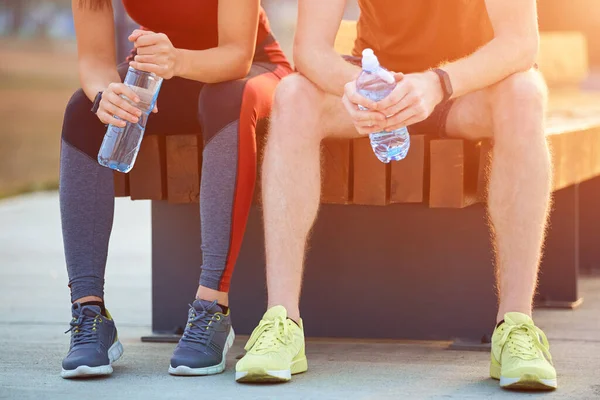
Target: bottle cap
[{"x": 369, "y": 60}]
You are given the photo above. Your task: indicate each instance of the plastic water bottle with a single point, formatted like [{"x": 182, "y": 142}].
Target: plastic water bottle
[
  {"x": 376, "y": 83},
  {"x": 120, "y": 146}
]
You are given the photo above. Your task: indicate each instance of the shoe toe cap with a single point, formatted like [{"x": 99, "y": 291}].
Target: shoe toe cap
[
  {"x": 89, "y": 357},
  {"x": 194, "y": 358}
]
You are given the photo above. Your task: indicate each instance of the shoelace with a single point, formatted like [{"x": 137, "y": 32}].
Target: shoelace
[
  {"x": 83, "y": 328},
  {"x": 269, "y": 334},
  {"x": 197, "y": 328},
  {"x": 524, "y": 341}
]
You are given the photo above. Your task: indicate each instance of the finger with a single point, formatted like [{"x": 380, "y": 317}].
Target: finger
[
  {"x": 360, "y": 100},
  {"x": 147, "y": 59},
  {"x": 403, "y": 104},
  {"x": 123, "y": 104},
  {"x": 398, "y": 76},
  {"x": 155, "y": 109},
  {"x": 148, "y": 40},
  {"x": 122, "y": 89},
  {"x": 157, "y": 69},
  {"x": 138, "y": 33},
  {"x": 401, "y": 118},
  {"x": 112, "y": 109},
  {"x": 399, "y": 92},
  {"x": 362, "y": 115},
  {"x": 106, "y": 118},
  {"x": 150, "y": 50},
  {"x": 411, "y": 121}
]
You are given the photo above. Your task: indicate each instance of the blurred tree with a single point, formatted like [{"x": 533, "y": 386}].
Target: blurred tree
[{"x": 17, "y": 10}]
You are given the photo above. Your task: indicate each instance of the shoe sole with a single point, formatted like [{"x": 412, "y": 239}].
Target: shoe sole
[
  {"x": 261, "y": 375},
  {"x": 528, "y": 382},
  {"x": 84, "y": 371},
  {"x": 183, "y": 370},
  {"x": 524, "y": 382}
]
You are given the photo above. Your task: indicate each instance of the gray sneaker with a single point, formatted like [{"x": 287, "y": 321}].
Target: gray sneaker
[
  {"x": 207, "y": 337},
  {"x": 94, "y": 344}
]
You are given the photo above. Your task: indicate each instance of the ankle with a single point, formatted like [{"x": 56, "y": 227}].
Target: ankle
[
  {"x": 87, "y": 299},
  {"x": 208, "y": 294},
  {"x": 503, "y": 310}
]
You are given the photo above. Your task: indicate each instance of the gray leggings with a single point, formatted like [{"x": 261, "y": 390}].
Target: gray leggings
[{"x": 226, "y": 113}]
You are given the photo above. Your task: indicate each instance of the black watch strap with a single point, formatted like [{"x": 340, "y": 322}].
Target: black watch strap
[
  {"x": 445, "y": 82},
  {"x": 96, "y": 102}
]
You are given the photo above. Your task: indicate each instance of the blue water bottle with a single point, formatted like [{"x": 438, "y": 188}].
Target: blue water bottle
[
  {"x": 376, "y": 83},
  {"x": 120, "y": 146}
]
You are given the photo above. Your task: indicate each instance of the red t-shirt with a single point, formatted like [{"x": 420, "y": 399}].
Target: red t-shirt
[{"x": 189, "y": 24}]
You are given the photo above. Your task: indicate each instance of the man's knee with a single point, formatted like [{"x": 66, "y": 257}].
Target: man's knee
[
  {"x": 521, "y": 98},
  {"x": 297, "y": 104},
  {"x": 522, "y": 89}
]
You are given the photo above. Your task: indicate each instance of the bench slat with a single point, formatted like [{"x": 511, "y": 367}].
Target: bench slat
[
  {"x": 121, "y": 184},
  {"x": 336, "y": 172},
  {"x": 447, "y": 173},
  {"x": 408, "y": 176},
  {"x": 183, "y": 168},
  {"x": 370, "y": 175},
  {"x": 146, "y": 178}
]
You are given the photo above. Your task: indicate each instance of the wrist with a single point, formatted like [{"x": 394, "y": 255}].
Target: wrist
[
  {"x": 435, "y": 83},
  {"x": 179, "y": 62}
]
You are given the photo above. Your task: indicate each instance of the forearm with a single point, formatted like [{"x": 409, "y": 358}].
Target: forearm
[
  {"x": 492, "y": 63},
  {"x": 325, "y": 68},
  {"x": 219, "y": 64},
  {"x": 95, "y": 76}
]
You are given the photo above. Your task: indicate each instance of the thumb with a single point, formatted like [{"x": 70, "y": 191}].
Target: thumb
[
  {"x": 137, "y": 33},
  {"x": 398, "y": 76}
]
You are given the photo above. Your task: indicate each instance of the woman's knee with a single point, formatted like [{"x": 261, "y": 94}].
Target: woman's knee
[
  {"x": 81, "y": 128},
  {"x": 219, "y": 105}
]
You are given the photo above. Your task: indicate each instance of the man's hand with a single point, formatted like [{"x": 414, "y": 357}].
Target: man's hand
[
  {"x": 365, "y": 121},
  {"x": 155, "y": 53},
  {"x": 412, "y": 101}
]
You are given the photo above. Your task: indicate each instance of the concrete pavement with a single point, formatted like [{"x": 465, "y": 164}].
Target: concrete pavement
[{"x": 34, "y": 313}]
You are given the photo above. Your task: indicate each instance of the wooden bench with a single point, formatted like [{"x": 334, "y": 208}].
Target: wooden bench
[{"x": 422, "y": 265}]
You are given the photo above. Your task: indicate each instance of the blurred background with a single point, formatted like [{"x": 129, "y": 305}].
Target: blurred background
[{"x": 38, "y": 73}]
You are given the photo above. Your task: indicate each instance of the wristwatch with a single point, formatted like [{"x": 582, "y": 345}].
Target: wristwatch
[
  {"x": 445, "y": 82},
  {"x": 96, "y": 102}
]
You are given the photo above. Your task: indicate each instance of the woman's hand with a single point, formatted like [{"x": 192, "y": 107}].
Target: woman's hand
[
  {"x": 155, "y": 53},
  {"x": 114, "y": 109}
]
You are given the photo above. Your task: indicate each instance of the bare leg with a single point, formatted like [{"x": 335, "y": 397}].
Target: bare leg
[
  {"x": 520, "y": 179},
  {"x": 302, "y": 116}
]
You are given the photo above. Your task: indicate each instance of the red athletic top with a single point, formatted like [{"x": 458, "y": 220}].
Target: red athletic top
[{"x": 192, "y": 24}]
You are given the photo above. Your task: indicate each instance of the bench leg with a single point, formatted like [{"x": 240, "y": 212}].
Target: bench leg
[
  {"x": 589, "y": 226},
  {"x": 401, "y": 272},
  {"x": 176, "y": 260},
  {"x": 559, "y": 268}
]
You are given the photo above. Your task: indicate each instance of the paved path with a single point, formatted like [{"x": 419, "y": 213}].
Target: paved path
[{"x": 34, "y": 313}]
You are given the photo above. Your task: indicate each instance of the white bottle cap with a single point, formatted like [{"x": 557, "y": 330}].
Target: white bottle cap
[{"x": 369, "y": 60}]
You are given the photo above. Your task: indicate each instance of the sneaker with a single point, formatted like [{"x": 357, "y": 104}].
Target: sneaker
[
  {"x": 203, "y": 348},
  {"x": 94, "y": 343},
  {"x": 275, "y": 350},
  {"x": 521, "y": 355}
]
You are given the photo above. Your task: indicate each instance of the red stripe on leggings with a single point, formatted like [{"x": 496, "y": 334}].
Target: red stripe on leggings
[{"x": 256, "y": 104}]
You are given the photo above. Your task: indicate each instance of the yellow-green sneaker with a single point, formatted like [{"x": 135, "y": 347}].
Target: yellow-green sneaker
[
  {"x": 521, "y": 355},
  {"x": 275, "y": 350}
]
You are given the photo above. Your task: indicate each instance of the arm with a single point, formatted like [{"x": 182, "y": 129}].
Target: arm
[
  {"x": 94, "y": 28},
  {"x": 314, "y": 54},
  {"x": 231, "y": 59},
  {"x": 513, "y": 49}
]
